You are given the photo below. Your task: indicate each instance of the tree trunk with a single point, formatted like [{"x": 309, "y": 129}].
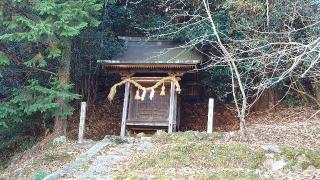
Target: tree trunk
[
  {"x": 272, "y": 101},
  {"x": 317, "y": 91},
  {"x": 243, "y": 129},
  {"x": 64, "y": 77},
  {"x": 233, "y": 68}
]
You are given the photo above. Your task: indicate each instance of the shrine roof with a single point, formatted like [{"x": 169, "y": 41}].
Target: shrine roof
[{"x": 146, "y": 52}]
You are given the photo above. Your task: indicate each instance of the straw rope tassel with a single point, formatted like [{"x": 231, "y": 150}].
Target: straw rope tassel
[
  {"x": 152, "y": 94},
  {"x": 178, "y": 89},
  {"x": 144, "y": 92},
  {"x": 137, "y": 95},
  {"x": 113, "y": 90},
  {"x": 163, "y": 90}
]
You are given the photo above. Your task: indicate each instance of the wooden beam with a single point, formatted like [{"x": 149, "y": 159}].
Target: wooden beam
[
  {"x": 147, "y": 123},
  {"x": 210, "y": 115},
  {"x": 125, "y": 110},
  {"x": 171, "y": 108},
  {"x": 82, "y": 122},
  {"x": 148, "y": 79},
  {"x": 126, "y": 74}
]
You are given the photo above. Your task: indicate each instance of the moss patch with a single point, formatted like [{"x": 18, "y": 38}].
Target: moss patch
[
  {"x": 39, "y": 175},
  {"x": 61, "y": 156},
  {"x": 195, "y": 154},
  {"x": 128, "y": 176},
  {"x": 230, "y": 174},
  {"x": 203, "y": 154},
  {"x": 312, "y": 157},
  {"x": 225, "y": 174},
  {"x": 185, "y": 137},
  {"x": 318, "y": 131}
]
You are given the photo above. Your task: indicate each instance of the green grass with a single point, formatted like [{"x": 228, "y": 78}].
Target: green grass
[
  {"x": 200, "y": 153},
  {"x": 12, "y": 146},
  {"x": 294, "y": 101},
  {"x": 230, "y": 174},
  {"x": 291, "y": 155},
  {"x": 127, "y": 176},
  {"x": 225, "y": 174},
  {"x": 52, "y": 144},
  {"x": 61, "y": 156},
  {"x": 185, "y": 137},
  {"x": 318, "y": 131},
  {"x": 203, "y": 154},
  {"x": 39, "y": 175}
]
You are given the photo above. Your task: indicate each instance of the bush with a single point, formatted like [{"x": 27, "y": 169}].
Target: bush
[{"x": 40, "y": 175}]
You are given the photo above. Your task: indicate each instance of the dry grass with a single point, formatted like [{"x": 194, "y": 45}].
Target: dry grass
[
  {"x": 45, "y": 157},
  {"x": 196, "y": 155}
]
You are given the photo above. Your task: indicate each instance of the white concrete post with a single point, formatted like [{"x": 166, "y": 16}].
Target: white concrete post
[
  {"x": 82, "y": 122},
  {"x": 210, "y": 115}
]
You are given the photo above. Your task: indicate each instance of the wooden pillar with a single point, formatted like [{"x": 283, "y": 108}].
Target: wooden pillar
[
  {"x": 125, "y": 110},
  {"x": 210, "y": 115},
  {"x": 82, "y": 122},
  {"x": 172, "y": 108},
  {"x": 175, "y": 110}
]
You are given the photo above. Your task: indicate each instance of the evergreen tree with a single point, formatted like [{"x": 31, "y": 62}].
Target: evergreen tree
[{"x": 47, "y": 26}]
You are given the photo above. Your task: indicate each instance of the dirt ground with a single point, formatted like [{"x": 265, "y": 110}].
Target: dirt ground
[{"x": 104, "y": 118}]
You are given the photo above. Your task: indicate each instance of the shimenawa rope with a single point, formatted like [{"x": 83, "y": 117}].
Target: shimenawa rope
[{"x": 144, "y": 90}]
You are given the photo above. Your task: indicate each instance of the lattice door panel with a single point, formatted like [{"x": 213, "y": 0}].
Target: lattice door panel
[{"x": 152, "y": 111}]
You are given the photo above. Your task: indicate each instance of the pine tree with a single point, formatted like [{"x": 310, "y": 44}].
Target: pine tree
[{"x": 48, "y": 26}]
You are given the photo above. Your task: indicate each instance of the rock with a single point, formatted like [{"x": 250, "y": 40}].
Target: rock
[
  {"x": 270, "y": 155},
  {"x": 277, "y": 165},
  {"x": 144, "y": 146},
  {"x": 131, "y": 140},
  {"x": 311, "y": 168},
  {"x": 141, "y": 134},
  {"x": 268, "y": 163},
  {"x": 146, "y": 138},
  {"x": 160, "y": 132},
  {"x": 302, "y": 157},
  {"x": 59, "y": 140},
  {"x": 266, "y": 176},
  {"x": 269, "y": 148}
]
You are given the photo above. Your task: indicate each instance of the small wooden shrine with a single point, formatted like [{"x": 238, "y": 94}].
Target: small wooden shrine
[{"x": 151, "y": 71}]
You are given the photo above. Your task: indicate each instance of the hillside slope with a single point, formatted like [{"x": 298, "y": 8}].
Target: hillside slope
[{"x": 282, "y": 144}]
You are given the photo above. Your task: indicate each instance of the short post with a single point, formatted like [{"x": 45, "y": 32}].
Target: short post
[
  {"x": 125, "y": 110},
  {"x": 210, "y": 115},
  {"x": 171, "y": 107},
  {"x": 82, "y": 122}
]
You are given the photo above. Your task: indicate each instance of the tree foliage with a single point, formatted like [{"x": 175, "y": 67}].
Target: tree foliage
[
  {"x": 43, "y": 28},
  {"x": 34, "y": 98},
  {"x": 34, "y": 38}
]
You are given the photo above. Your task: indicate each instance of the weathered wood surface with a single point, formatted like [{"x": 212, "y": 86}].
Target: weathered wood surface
[
  {"x": 82, "y": 122},
  {"x": 210, "y": 115},
  {"x": 175, "y": 100},
  {"x": 125, "y": 110},
  {"x": 148, "y": 111},
  {"x": 147, "y": 123}
]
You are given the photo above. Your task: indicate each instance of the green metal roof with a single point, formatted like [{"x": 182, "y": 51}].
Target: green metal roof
[{"x": 152, "y": 51}]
